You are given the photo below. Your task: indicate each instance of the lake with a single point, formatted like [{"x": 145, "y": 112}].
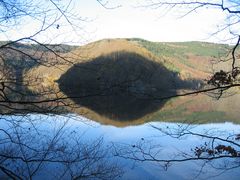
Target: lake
[
  {"x": 71, "y": 146},
  {"x": 118, "y": 109}
]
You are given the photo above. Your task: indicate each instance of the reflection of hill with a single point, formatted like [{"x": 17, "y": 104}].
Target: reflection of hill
[
  {"x": 121, "y": 85},
  {"x": 177, "y": 66}
]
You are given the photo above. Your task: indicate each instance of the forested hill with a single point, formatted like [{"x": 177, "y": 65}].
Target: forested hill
[
  {"x": 132, "y": 66},
  {"x": 197, "y": 55}
]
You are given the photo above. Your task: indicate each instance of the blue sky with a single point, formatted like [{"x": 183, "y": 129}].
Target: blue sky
[
  {"x": 150, "y": 24},
  {"x": 128, "y": 21}
]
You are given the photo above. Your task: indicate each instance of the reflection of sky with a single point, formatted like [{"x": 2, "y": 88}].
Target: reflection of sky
[{"x": 89, "y": 130}]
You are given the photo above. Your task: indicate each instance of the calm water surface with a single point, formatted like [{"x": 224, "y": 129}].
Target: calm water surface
[{"x": 38, "y": 131}]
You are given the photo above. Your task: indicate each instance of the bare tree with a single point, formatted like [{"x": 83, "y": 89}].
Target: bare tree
[
  {"x": 28, "y": 149},
  {"x": 221, "y": 80},
  {"x": 17, "y": 58},
  {"x": 33, "y": 147},
  {"x": 215, "y": 149}
]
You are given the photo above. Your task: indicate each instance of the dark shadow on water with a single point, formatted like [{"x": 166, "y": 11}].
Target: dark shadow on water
[{"x": 121, "y": 85}]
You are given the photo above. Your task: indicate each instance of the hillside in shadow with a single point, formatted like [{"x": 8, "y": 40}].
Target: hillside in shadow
[
  {"x": 122, "y": 85},
  {"x": 16, "y": 85}
]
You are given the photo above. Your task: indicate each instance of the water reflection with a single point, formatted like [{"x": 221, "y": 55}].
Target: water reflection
[
  {"x": 58, "y": 147},
  {"x": 121, "y": 86},
  {"x": 44, "y": 147},
  {"x": 188, "y": 152}
]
